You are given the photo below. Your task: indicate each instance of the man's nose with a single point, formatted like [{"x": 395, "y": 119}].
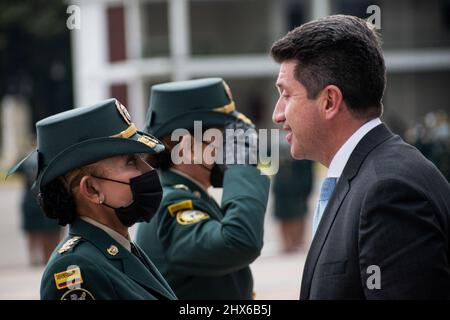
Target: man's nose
[{"x": 278, "y": 112}]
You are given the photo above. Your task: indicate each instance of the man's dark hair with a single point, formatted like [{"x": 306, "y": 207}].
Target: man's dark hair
[{"x": 340, "y": 50}]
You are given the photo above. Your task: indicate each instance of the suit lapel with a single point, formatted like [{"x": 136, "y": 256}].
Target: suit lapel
[
  {"x": 372, "y": 139},
  {"x": 339, "y": 194}
]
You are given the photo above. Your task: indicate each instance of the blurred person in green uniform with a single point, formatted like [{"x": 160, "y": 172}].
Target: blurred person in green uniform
[
  {"x": 202, "y": 248},
  {"x": 432, "y": 137},
  {"x": 292, "y": 186},
  {"x": 91, "y": 175},
  {"x": 43, "y": 234},
  {"x": 439, "y": 128}
]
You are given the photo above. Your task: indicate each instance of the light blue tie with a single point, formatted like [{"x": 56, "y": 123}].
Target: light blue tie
[{"x": 325, "y": 194}]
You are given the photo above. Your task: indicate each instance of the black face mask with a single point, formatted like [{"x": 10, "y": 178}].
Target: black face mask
[{"x": 147, "y": 194}]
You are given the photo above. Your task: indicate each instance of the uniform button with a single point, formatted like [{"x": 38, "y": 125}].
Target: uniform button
[{"x": 113, "y": 250}]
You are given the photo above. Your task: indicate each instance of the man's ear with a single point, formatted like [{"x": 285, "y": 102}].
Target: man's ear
[
  {"x": 89, "y": 189},
  {"x": 331, "y": 100}
]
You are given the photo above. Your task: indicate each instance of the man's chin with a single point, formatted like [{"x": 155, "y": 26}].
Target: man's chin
[{"x": 296, "y": 154}]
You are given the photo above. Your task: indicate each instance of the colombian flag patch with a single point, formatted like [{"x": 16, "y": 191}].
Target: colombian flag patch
[{"x": 68, "y": 278}]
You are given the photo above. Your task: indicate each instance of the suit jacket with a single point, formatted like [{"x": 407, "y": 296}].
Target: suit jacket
[
  {"x": 390, "y": 210},
  {"x": 89, "y": 264}
]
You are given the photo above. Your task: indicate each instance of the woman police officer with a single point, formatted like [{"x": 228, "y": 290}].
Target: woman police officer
[
  {"x": 91, "y": 176},
  {"x": 202, "y": 248}
]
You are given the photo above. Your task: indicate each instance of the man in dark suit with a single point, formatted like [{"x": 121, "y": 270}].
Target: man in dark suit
[{"x": 381, "y": 225}]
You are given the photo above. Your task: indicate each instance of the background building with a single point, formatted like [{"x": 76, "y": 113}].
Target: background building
[{"x": 123, "y": 47}]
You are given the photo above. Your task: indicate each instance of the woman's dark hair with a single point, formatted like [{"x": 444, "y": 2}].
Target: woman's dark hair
[
  {"x": 56, "y": 198},
  {"x": 57, "y": 202}
]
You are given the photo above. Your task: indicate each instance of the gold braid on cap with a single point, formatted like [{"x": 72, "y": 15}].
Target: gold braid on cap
[
  {"x": 227, "y": 108},
  {"x": 232, "y": 107},
  {"x": 128, "y": 132},
  {"x": 132, "y": 130}
]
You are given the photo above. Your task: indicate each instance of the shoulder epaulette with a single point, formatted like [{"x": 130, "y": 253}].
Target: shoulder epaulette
[
  {"x": 68, "y": 244},
  {"x": 181, "y": 186}
]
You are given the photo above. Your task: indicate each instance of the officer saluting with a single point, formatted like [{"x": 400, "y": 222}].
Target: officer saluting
[
  {"x": 91, "y": 176},
  {"x": 203, "y": 249}
]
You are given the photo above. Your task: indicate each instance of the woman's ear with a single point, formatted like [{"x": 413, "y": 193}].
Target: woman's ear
[{"x": 90, "y": 190}]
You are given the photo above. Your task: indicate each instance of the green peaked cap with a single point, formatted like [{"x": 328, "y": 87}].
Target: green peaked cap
[
  {"x": 81, "y": 136},
  {"x": 178, "y": 104}
]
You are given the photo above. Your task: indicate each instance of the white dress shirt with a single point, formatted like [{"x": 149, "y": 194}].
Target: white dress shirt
[
  {"x": 124, "y": 242},
  {"x": 340, "y": 159}
]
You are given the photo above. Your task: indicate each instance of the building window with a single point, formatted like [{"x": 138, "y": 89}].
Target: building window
[
  {"x": 116, "y": 33},
  {"x": 155, "y": 29},
  {"x": 224, "y": 27}
]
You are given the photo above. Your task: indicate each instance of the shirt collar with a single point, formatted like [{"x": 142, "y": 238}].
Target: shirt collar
[
  {"x": 340, "y": 159},
  {"x": 124, "y": 242}
]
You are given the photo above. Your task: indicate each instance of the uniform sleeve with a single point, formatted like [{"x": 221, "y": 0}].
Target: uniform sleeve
[
  {"x": 211, "y": 247},
  {"x": 73, "y": 277},
  {"x": 403, "y": 250}
]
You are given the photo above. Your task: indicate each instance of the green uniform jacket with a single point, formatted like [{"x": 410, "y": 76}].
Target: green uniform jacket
[
  {"x": 89, "y": 264},
  {"x": 204, "y": 250}
]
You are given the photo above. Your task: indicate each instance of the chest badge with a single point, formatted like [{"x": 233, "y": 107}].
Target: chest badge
[{"x": 113, "y": 250}]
